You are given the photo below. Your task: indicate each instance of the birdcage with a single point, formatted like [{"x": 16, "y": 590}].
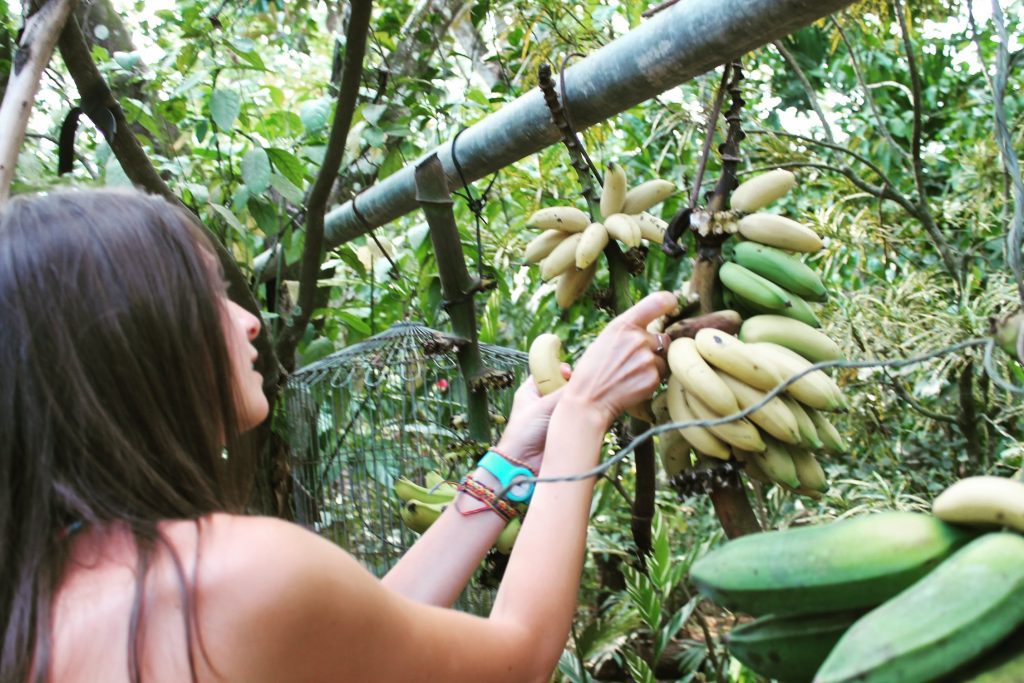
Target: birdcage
[{"x": 393, "y": 405}]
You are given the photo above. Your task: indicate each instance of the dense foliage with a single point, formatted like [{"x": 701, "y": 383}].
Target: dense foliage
[{"x": 899, "y": 169}]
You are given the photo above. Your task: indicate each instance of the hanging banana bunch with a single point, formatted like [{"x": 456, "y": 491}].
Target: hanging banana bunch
[
  {"x": 731, "y": 365},
  {"x": 568, "y": 248}
]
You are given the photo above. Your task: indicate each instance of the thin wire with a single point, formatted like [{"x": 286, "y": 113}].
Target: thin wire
[
  {"x": 395, "y": 272},
  {"x": 711, "y": 422},
  {"x": 568, "y": 116},
  {"x": 475, "y": 205},
  {"x": 1005, "y": 141}
]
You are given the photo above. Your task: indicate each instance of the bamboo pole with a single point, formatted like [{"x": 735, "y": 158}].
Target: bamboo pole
[
  {"x": 671, "y": 48},
  {"x": 458, "y": 286}
]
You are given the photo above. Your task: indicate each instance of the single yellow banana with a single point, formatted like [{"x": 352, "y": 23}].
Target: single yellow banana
[
  {"x": 777, "y": 463},
  {"x": 762, "y": 190},
  {"x": 751, "y": 465},
  {"x": 983, "y": 501},
  {"x": 565, "y": 218},
  {"x": 659, "y": 407},
  {"x": 613, "y": 194},
  {"x": 739, "y": 433},
  {"x": 507, "y": 537},
  {"x": 646, "y": 195},
  {"x": 779, "y": 231},
  {"x": 674, "y": 452},
  {"x": 774, "y": 417},
  {"x": 409, "y": 490},
  {"x": 729, "y": 354},
  {"x": 808, "y": 432},
  {"x": 652, "y": 228},
  {"x": 433, "y": 479},
  {"x": 698, "y": 378},
  {"x": 418, "y": 516},
  {"x": 815, "y": 389},
  {"x": 698, "y": 437},
  {"x": 827, "y": 432},
  {"x": 808, "y": 470},
  {"x": 561, "y": 258},
  {"x": 624, "y": 229},
  {"x": 594, "y": 240},
  {"x": 545, "y": 361},
  {"x": 795, "y": 335},
  {"x": 541, "y": 245},
  {"x": 572, "y": 283}
]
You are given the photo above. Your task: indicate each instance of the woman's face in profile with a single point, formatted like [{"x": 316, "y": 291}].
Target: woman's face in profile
[{"x": 240, "y": 328}]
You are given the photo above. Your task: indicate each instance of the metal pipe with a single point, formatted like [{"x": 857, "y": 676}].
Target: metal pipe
[{"x": 676, "y": 45}]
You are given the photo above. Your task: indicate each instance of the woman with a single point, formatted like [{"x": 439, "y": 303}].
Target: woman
[{"x": 124, "y": 369}]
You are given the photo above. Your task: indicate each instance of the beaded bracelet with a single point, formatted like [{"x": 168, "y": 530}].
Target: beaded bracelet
[{"x": 485, "y": 495}]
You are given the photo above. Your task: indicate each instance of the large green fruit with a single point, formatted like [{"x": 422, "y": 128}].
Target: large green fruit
[
  {"x": 961, "y": 610},
  {"x": 789, "y": 649},
  {"x": 1005, "y": 664},
  {"x": 852, "y": 564}
]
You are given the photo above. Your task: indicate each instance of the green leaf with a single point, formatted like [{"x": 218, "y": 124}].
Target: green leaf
[
  {"x": 265, "y": 216},
  {"x": 638, "y": 669},
  {"x": 373, "y": 112},
  {"x": 314, "y": 115},
  {"x": 644, "y": 596},
  {"x": 225, "y": 106},
  {"x": 249, "y": 56},
  {"x": 347, "y": 254},
  {"x": 672, "y": 627},
  {"x": 127, "y": 60},
  {"x": 355, "y": 322},
  {"x": 256, "y": 170},
  {"x": 287, "y": 189},
  {"x": 229, "y": 218},
  {"x": 288, "y": 165}
]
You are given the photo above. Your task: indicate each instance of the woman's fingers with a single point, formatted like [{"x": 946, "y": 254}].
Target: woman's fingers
[{"x": 650, "y": 307}]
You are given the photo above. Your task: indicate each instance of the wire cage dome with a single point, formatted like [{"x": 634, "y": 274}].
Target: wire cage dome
[{"x": 393, "y": 405}]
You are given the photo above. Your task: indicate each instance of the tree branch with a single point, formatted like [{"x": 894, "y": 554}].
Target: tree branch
[
  {"x": 808, "y": 88},
  {"x": 312, "y": 255},
  {"x": 1005, "y": 141},
  {"x": 35, "y": 48},
  {"x": 142, "y": 173},
  {"x": 867, "y": 91},
  {"x": 830, "y": 145},
  {"x": 915, "y": 90}
]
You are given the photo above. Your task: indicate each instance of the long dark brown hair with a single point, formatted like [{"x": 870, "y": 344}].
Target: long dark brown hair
[{"x": 115, "y": 395}]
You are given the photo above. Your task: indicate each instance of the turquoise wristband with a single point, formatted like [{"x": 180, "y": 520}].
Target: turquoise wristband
[{"x": 505, "y": 472}]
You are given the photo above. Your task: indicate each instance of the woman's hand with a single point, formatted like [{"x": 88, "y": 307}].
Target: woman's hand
[
  {"x": 527, "y": 428},
  {"x": 625, "y": 364}
]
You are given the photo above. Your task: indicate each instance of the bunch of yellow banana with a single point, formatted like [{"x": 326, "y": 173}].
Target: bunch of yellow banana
[
  {"x": 716, "y": 374},
  {"x": 422, "y": 505},
  {"x": 571, "y": 242}
]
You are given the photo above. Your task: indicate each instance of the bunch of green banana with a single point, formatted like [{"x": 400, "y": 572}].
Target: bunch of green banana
[
  {"x": 766, "y": 275},
  {"x": 715, "y": 375},
  {"x": 422, "y": 505},
  {"x": 789, "y": 648},
  {"x": 889, "y": 597},
  {"x": 954, "y": 615},
  {"x": 570, "y": 243},
  {"x": 855, "y": 563}
]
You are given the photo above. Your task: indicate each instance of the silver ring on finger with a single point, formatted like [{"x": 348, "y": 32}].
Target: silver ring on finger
[{"x": 661, "y": 343}]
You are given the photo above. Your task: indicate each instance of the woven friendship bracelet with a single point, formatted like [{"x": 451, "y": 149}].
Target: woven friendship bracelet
[
  {"x": 476, "y": 490},
  {"x": 517, "y": 463}
]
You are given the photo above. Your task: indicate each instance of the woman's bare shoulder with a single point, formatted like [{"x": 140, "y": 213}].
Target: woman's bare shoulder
[{"x": 259, "y": 584}]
